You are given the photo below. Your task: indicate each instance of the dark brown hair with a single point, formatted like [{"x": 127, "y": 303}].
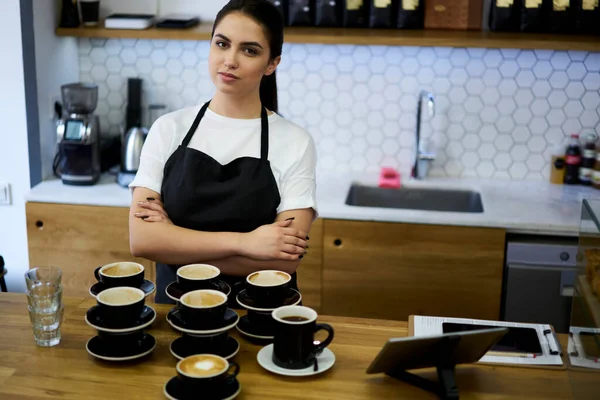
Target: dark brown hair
[{"x": 271, "y": 20}]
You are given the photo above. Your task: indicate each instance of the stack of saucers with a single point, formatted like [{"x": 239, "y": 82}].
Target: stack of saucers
[
  {"x": 265, "y": 291},
  {"x": 204, "y": 319},
  {"x": 121, "y": 315},
  {"x": 120, "y": 318}
]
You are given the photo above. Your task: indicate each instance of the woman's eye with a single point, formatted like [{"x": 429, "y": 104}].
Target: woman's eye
[
  {"x": 221, "y": 44},
  {"x": 251, "y": 52}
]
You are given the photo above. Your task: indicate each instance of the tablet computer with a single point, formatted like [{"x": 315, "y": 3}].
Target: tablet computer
[{"x": 424, "y": 351}]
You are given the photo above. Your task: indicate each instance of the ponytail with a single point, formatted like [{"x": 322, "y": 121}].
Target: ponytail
[{"x": 268, "y": 92}]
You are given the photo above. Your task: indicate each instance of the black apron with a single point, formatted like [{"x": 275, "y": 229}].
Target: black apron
[{"x": 201, "y": 194}]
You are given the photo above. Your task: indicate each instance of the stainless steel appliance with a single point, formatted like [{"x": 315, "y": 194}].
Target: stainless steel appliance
[
  {"x": 77, "y": 160},
  {"x": 539, "y": 279},
  {"x": 134, "y": 134}
]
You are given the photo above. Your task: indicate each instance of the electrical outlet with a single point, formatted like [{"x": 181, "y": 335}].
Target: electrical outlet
[{"x": 4, "y": 193}]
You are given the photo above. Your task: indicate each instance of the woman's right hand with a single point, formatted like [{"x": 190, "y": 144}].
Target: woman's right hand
[{"x": 276, "y": 241}]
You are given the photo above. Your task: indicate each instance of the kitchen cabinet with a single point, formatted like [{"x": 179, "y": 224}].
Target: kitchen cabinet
[
  {"x": 78, "y": 239},
  {"x": 393, "y": 270}
]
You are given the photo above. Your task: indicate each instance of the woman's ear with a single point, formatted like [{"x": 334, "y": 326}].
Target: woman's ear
[{"x": 273, "y": 65}]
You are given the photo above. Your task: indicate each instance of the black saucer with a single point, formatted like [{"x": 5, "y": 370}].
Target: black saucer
[
  {"x": 294, "y": 298},
  {"x": 147, "y": 287},
  {"x": 174, "y": 291},
  {"x": 175, "y": 319},
  {"x": 175, "y": 390},
  {"x": 93, "y": 318},
  {"x": 181, "y": 350},
  {"x": 254, "y": 331},
  {"x": 96, "y": 347}
]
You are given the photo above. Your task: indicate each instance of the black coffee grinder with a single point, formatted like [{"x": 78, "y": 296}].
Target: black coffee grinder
[{"x": 77, "y": 160}]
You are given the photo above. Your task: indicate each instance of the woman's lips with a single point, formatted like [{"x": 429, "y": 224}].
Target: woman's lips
[{"x": 228, "y": 77}]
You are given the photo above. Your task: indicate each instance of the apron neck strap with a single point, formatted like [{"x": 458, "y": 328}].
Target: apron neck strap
[
  {"x": 264, "y": 130},
  {"x": 188, "y": 136}
]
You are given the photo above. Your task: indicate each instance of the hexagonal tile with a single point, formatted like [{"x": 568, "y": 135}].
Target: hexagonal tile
[
  {"x": 346, "y": 48},
  {"x": 361, "y": 73},
  {"x": 390, "y": 147},
  {"x": 128, "y": 56},
  {"x": 522, "y": 116},
  {"x": 312, "y": 116},
  {"x": 556, "y": 117},
  {"x": 328, "y": 72},
  {"x": 174, "y": 49},
  {"x": 393, "y": 55},
  {"x": 508, "y": 87},
  {"x": 344, "y": 119},
  {"x": 376, "y": 102},
  {"x": 457, "y": 113},
  {"x": 524, "y": 97},
  {"x": 393, "y": 74},
  {"x": 572, "y": 126},
  {"x": 474, "y": 87},
  {"x": 470, "y": 141},
  {"x": 159, "y": 75},
  {"x": 525, "y": 79},
  {"x": 592, "y": 62},
  {"x": 493, "y": 58},
  {"x": 160, "y": 43},
  {"x": 459, "y": 57},
  {"x": 174, "y": 67},
  {"x": 297, "y": 89},
  {"x": 544, "y": 54},
  {"x": 359, "y": 145},
  {"x": 506, "y": 106},
  {"x": 473, "y": 105},
  {"x": 359, "y": 109},
  {"x": 375, "y": 120},
  {"x": 470, "y": 159},
  {"x": 409, "y": 66},
  {"x": 392, "y": 93},
  {"x": 441, "y": 86},
  {"x": 576, "y": 71},
  {"x": 406, "y": 139},
  {"x": 573, "y": 109},
  {"x": 591, "y": 101},
  {"x": 343, "y": 154},
  {"x": 518, "y": 170},
  {"x": 540, "y": 107},
  {"x": 488, "y": 133},
  {"x": 455, "y": 131},
  {"x": 560, "y": 60},
  {"x": 535, "y": 162},
  {"x": 115, "y": 100},
  {"x": 541, "y": 89},
  {"x": 454, "y": 150},
  {"x": 298, "y": 72},
  {"x": 442, "y": 67},
  {"x": 425, "y": 76},
  {"x": 458, "y": 77},
  {"x": 505, "y": 124},
  {"x": 486, "y": 151},
  {"x": 537, "y": 144},
  {"x": 557, "y": 99},
  {"x": 115, "y": 82},
  {"x": 327, "y": 128},
  {"x": 577, "y": 55},
  {"x": 521, "y": 134},
  {"x": 485, "y": 169},
  {"x": 189, "y": 77},
  {"x": 489, "y": 114},
  {"x": 519, "y": 152},
  {"x": 377, "y": 65},
  {"x": 98, "y": 73},
  {"x": 453, "y": 168},
  {"x": 538, "y": 126},
  {"x": 554, "y": 136},
  {"x": 503, "y": 142},
  {"x": 543, "y": 70},
  {"x": 377, "y": 83},
  {"x": 143, "y": 48},
  {"x": 492, "y": 77},
  {"x": 526, "y": 59},
  {"x": 298, "y": 52},
  {"x": 85, "y": 64},
  {"x": 502, "y": 160},
  {"x": 592, "y": 81},
  {"x": 575, "y": 90},
  {"x": 128, "y": 72},
  {"x": 589, "y": 118},
  {"x": 476, "y": 67},
  {"x": 509, "y": 69},
  {"x": 374, "y": 156},
  {"x": 490, "y": 96},
  {"x": 559, "y": 80},
  {"x": 510, "y": 53}
]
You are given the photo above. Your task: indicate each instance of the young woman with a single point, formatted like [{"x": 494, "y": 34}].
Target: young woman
[{"x": 229, "y": 183}]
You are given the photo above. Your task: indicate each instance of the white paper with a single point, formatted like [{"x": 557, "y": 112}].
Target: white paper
[
  {"x": 580, "y": 360},
  {"x": 431, "y": 326}
]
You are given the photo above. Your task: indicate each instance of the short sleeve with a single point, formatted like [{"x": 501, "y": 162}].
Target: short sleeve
[
  {"x": 155, "y": 152},
  {"x": 298, "y": 189}
]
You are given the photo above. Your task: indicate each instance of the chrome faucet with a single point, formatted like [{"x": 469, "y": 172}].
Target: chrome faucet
[{"x": 423, "y": 158}]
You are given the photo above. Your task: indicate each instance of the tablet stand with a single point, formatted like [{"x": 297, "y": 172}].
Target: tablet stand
[{"x": 445, "y": 388}]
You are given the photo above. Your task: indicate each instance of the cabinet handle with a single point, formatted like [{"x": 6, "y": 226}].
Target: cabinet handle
[
  {"x": 39, "y": 224},
  {"x": 337, "y": 242}
]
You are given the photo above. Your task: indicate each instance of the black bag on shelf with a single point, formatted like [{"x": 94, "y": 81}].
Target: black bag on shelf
[
  {"x": 534, "y": 15},
  {"x": 282, "y": 7},
  {"x": 301, "y": 12},
  {"x": 411, "y": 14},
  {"x": 587, "y": 17},
  {"x": 561, "y": 17},
  {"x": 328, "y": 13},
  {"x": 382, "y": 14},
  {"x": 505, "y": 15},
  {"x": 355, "y": 13}
]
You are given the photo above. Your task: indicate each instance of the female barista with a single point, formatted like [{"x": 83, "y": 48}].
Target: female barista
[{"x": 230, "y": 183}]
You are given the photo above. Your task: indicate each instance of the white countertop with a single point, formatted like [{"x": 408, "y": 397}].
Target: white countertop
[{"x": 518, "y": 206}]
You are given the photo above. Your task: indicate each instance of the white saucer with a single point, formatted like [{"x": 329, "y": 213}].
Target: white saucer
[{"x": 325, "y": 361}]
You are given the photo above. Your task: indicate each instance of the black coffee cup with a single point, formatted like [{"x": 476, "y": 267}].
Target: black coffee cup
[
  {"x": 122, "y": 341},
  {"x": 293, "y": 345},
  {"x": 197, "y": 276},
  {"x": 205, "y": 343},
  {"x": 90, "y": 12},
  {"x": 206, "y": 373},
  {"x": 268, "y": 288},
  {"x": 123, "y": 273},
  {"x": 203, "y": 308},
  {"x": 120, "y": 307}
]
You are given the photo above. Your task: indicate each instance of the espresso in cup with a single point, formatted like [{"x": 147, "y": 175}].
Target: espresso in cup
[
  {"x": 294, "y": 330},
  {"x": 197, "y": 276},
  {"x": 206, "y": 372},
  {"x": 203, "y": 308},
  {"x": 124, "y": 273},
  {"x": 268, "y": 288},
  {"x": 121, "y": 306}
]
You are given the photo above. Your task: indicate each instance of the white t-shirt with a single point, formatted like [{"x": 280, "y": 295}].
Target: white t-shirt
[{"x": 292, "y": 152}]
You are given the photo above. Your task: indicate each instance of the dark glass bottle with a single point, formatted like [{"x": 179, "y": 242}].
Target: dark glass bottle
[{"x": 572, "y": 160}]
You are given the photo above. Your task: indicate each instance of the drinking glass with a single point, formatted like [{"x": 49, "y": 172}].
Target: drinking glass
[{"x": 44, "y": 303}]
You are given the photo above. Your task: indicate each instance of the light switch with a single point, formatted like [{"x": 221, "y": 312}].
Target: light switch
[{"x": 4, "y": 193}]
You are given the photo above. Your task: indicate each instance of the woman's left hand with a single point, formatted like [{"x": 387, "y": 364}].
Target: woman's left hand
[{"x": 154, "y": 211}]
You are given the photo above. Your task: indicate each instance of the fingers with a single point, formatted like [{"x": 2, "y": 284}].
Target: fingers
[
  {"x": 283, "y": 224},
  {"x": 292, "y": 249},
  {"x": 294, "y": 240},
  {"x": 153, "y": 206},
  {"x": 152, "y": 216},
  {"x": 295, "y": 232}
]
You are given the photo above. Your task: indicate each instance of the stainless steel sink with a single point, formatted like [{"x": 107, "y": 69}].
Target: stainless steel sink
[{"x": 466, "y": 201}]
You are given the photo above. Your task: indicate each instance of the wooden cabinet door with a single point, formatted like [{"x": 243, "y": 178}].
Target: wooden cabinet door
[
  {"x": 310, "y": 271},
  {"x": 390, "y": 271},
  {"x": 78, "y": 239}
]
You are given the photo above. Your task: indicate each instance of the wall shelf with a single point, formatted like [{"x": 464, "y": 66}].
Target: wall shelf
[{"x": 425, "y": 38}]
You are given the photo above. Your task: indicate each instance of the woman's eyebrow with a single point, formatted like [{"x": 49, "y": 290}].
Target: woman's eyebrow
[{"x": 243, "y": 43}]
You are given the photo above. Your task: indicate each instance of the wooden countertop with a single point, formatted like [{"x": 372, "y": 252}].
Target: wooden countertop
[
  {"x": 382, "y": 37},
  {"x": 68, "y": 372}
]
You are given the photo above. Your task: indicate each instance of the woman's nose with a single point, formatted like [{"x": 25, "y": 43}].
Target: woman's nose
[{"x": 231, "y": 60}]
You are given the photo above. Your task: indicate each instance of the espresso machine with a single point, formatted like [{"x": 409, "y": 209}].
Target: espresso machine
[{"x": 77, "y": 160}]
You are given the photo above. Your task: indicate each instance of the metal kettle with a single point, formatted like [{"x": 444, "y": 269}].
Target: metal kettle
[{"x": 131, "y": 149}]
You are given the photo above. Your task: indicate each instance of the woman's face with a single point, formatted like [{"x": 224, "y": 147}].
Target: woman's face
[{"x": 239, "y": 55}]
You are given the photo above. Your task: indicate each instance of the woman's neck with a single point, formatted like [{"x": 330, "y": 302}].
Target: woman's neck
[{"x": 236, "y": 106}]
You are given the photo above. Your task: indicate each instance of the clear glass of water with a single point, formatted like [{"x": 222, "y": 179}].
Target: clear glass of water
[{"x": 44, "y": 298}]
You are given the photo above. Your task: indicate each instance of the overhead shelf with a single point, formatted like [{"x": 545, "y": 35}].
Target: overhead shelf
[{"x": 386, "y": 37}]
